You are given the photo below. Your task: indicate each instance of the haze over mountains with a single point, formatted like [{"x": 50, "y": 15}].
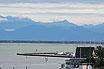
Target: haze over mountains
[{"x": 14, "y": 28}]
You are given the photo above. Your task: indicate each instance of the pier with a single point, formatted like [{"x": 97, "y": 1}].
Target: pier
[{"x": 45, "y": 55}]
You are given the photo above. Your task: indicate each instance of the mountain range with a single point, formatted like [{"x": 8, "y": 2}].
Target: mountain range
[{"x": 16, "y": 28}]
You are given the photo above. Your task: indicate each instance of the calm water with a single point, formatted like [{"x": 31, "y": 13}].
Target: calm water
[{"x": 9, "y": 59}]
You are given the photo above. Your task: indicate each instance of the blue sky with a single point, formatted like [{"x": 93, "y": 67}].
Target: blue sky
[{"x": 76, "y": 11}]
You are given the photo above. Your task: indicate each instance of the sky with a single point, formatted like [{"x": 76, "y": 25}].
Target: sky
[{"x": 76, "y": 11}]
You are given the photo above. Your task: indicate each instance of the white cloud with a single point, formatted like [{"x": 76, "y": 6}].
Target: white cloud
[
  {"x": 9, "y": 30},
  {"x": 79, "y": 13},
  {"x": 51, "y": 1},
  {"x": 51, "y": 8}
]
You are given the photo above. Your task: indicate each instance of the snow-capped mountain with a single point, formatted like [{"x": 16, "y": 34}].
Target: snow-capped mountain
[{"x": 15, "y": 28}]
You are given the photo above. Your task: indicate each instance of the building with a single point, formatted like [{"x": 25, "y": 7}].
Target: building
[{"x": 84, "y": 52}]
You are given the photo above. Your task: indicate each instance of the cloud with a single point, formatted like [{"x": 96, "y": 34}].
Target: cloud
[
  {"x": 51, "y": 1},
  {"x": 29, "y": 8},
  {"x": 79, "y": 13},
  {"x": 9, "y": 30}
]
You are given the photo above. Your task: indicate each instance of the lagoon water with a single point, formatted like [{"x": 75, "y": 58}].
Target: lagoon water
[{"x": 9, "y": 59}]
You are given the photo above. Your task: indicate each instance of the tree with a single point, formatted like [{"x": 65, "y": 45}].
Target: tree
[
  {"x": 100, "y": 52},
  {"x": 97, "y": 62}
]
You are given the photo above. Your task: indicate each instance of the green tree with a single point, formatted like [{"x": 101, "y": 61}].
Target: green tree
[
  {"x": 97, "y": 62},
  {"x": 100, "y": 52}
]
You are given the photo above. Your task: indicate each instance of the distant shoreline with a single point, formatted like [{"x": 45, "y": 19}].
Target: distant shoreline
[{"x": 60, "y": 42}]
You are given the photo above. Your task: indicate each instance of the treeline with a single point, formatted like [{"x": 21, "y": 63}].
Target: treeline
[{"x": 66, "y": 42}]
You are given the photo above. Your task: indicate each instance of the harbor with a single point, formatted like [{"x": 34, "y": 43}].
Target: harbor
[
  {"x": 74, "y": 61},
  {"x": 10, "y": 59}
]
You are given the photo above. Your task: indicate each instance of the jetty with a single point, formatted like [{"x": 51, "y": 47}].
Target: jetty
[{"x": 47, "y": 55}]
